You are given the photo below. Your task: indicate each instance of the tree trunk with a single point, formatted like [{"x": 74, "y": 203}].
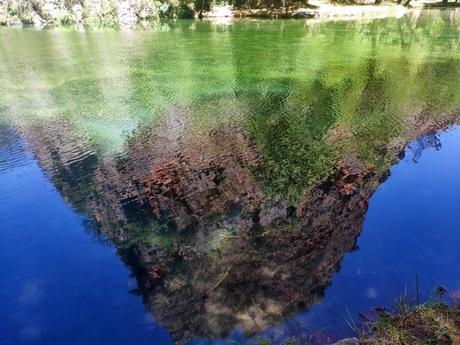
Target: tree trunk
[{"x": 200, "y": 14}]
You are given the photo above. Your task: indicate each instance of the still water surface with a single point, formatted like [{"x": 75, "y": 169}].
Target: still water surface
[{"x": 204, "y": 183}]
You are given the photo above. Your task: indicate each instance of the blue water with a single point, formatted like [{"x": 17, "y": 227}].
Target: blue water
[{"x": 61, "y": 285}]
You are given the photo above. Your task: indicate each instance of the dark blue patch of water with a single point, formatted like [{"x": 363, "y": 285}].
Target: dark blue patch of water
[{"x": 57, "y": 284}]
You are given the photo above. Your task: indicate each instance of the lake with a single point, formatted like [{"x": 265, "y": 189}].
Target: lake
[{"x": 231, "y": 182}]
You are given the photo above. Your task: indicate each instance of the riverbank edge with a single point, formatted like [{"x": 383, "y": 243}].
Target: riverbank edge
[
  {"x": 80, "y": 17},
  {"x": 434, "y": 322},
  {"x": 315, "y": 11}
]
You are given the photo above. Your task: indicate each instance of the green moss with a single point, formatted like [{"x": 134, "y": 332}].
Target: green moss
[
  {"x": 219, "y": 238},
  {"x": 164, "y": 240},
  {"x": 157, "y": 234},
  {"x": 152, "y": 233}
]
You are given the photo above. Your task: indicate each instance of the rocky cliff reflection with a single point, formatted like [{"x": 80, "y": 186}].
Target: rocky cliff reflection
[
  {"x": 220, "y": 254},
  {"x": 187, "y": 212},
  {"x": 209, "y": 250}
]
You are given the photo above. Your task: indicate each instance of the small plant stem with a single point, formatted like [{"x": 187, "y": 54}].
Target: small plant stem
[{"x": 417, "y": 289}]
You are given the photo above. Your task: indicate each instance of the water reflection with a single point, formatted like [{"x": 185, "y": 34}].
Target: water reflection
[
  {"x": 231, "y": 167},
  {"x": 422, "y": 143}
]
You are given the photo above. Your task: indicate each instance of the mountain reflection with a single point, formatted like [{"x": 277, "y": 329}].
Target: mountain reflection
[{"x": 208, "y": 249}]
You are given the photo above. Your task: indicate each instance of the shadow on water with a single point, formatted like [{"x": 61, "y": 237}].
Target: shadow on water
[{"x": 232, "y": 184}]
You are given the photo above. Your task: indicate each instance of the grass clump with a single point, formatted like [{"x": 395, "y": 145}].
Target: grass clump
[{"x": 430, "y": 324}]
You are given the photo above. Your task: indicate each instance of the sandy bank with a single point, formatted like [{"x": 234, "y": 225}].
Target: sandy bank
[{"x": 315, "y": 10}]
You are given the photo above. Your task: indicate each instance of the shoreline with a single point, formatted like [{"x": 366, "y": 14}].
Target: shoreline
[
  {"x": 316, "y": 11},
  {"x": 120, "y": 17}
]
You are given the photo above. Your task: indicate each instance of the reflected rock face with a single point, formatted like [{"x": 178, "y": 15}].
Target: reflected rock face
[
  {"x": 187, "y": 210},
  {"x": 220, "y": 252},
  {"x": 267, "y": 264},
  {"x": 211, "y": 176}
]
